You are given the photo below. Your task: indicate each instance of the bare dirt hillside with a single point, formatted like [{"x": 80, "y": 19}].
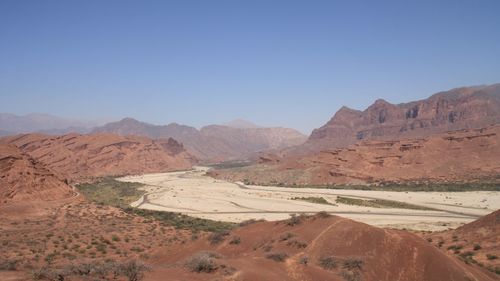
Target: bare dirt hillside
[
  {"x": 475, "y": 243},
  {"x": 456, "y": 109},
  {"x": 320, "y": 247},
  {"x": 331, "y": 248},
  {"x": 82, "y": 157},
  {"x": 464, "y": 155},
  {"x": 212, "y": 143}
]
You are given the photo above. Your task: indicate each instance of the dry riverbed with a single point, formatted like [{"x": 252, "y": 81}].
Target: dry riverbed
[{"x": 195, "y": 194}]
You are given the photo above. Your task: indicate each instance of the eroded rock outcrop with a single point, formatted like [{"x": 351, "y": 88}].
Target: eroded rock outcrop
[
  {"x": 81, "y": 157},
  {"x": 462, "y": 108},
  {"x": 22, "y": 178}
]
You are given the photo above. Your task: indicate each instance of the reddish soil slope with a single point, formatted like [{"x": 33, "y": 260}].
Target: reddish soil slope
[
  {"x": 319, "y": 248},
  {"x": 455, "y": 156},
  {"x": 24, "y": 179},
  {"x": 81, "y": 157},
  {"x": 314, "y": 248},
  {"x": 477, "y": 242}
]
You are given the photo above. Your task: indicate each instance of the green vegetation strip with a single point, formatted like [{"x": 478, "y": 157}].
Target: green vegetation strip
[
  {"x": 380, "y": 203},
  {"x": 109, "y": 191},
  {"x": 317, "y": 200},
  {"x": 425, "y": 187},
  {"x": 229, "y": 164}
]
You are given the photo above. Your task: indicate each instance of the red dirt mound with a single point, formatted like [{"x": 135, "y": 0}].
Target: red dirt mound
[
  {"x": 81, "y": 157},
  {"x": 315, "y": 248},
  {"x": 477, "y": 242}
]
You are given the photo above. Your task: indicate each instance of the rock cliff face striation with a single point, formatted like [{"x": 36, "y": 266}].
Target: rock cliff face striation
[
  {"x": 451, "y": 136},
  {"x": 462, "y": 108},
  {"x": 22, "y": 178},
  {"x": 466, "y": 155},
  {"x": 78, "y": 157}
]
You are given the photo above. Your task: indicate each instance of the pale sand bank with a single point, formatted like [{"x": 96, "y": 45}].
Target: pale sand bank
[{"x": 197, "y": 195}]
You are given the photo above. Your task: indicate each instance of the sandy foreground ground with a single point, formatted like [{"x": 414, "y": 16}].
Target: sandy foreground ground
[{"x": 192, "y": 193}]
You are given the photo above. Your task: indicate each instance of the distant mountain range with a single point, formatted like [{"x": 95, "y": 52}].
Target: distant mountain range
[
  {"x": 212, "y": 143},
  {"x": 234, "y": 140},
  {"x": 456, "y": 109},
  {"x": 241, "y": 124},
  {"x": 45, "y": 123}
]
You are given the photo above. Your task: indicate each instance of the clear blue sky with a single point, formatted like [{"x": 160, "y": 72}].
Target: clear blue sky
[{"x": 288, "y": 63}]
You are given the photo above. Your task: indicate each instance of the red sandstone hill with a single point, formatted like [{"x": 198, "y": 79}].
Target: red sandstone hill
[
  {"x": 81, "y": 157},
  {"x": 24, "y": 179},
  {"x": 212, "y": 143},
  {"x": 456, "y": 109},
  {"x": 454, "y": 156}
]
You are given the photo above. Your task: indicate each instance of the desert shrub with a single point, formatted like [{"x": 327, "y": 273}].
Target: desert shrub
[
  {"x": 286, "y": 236},
  {"x": 50, "y": 257},
  {"x": 495, "y": 269},
  {"x": 323, "y": 215},
  {"x": 235, "y": 240},
  {"x": 267, "y": 248},
  {"x": 41, "y": 273},
  {"x": 491, "y": 257},
  {"x": 133, "y": 270},
  {"x": 316, "y": 200},
  {"x": 455, "y": 247},
  {"x": 293, "y": 220},
  {"x": 9, "y": 265},
  {"x": 181, "y": 221},
  {"x": 328, "y": 263},
  {"x": 353, "y": 264},
  {"x": 194, "y": 236},
  {"x": 297, "y": 243},
  {"x": 279, "y": 257},
  {"x": 304, "y": 260},
  {"x": 202, "y": 262},
  {"x": 467, "y": 257},
  {"x": 217, "y": 237},
  {"x": 83, "y": 269},
  {"x": 46, "y": 273},
  {"x": 247, "y": 222},
  {"x": 350, "y": 275},
  {"x": 477, "y": 247}
]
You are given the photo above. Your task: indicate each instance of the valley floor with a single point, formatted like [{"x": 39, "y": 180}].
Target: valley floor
[{"x": 195, "y": 194}]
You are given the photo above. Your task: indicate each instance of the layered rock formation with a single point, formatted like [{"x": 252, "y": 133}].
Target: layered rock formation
[
  {"x": 81, "y": 157},
  {"x": 465, "y": 155},
  {"x": 22, "y": 178},
  {"x": 212, "y": 143},
  {"x": 462, "y": 108}
]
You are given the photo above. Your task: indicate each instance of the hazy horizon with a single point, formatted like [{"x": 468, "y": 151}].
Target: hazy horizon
[{"x": 274, "y": 63}]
